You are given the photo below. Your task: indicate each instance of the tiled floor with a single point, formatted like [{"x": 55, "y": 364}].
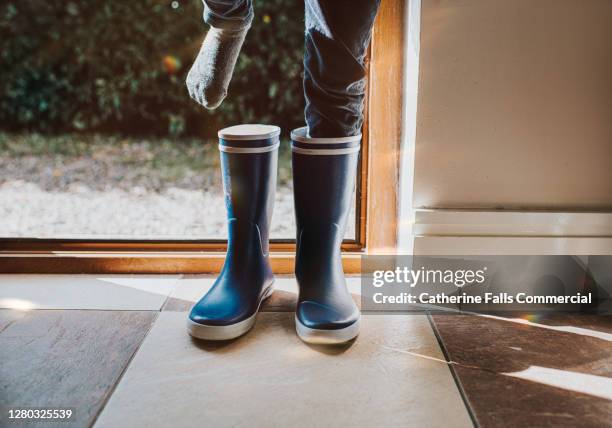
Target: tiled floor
[
  {"x": 115, "y": 349},
  {"x": 271, "y": 378}
]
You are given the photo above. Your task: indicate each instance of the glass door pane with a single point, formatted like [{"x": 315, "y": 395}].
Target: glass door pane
[{"x": 98, "y": 136}]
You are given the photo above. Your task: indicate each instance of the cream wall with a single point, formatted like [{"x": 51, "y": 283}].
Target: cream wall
[{"x": 514, "y": 106}]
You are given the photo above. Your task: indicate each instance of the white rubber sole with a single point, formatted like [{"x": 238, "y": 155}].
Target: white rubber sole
[
  {"x": 225, "y": 332},
  {"x": 327, "y": 337}
]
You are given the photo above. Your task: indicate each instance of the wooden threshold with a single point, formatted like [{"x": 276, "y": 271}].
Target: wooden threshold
[
  {"x": 18, "y": 245},
  {"x": 107, "y": 262}
]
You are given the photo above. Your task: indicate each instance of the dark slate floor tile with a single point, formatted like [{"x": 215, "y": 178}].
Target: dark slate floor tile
[
  {"x": 66, "y": 358},
  {"x": 489, "y": 353}
]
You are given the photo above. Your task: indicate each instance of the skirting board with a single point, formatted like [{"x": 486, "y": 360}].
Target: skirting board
[
  {"x": 467, "y": 232},
  {"x": 499, "y": 245},
  {"x": 512, "y": 223}
]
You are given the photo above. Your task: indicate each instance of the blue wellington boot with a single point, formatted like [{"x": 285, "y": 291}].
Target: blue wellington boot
[
  {"x": 324, "y": 171},
  {"x": 249, "y": 155}
]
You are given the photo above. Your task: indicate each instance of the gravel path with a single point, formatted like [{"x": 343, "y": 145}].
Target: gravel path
[
  {"x": 27, "y": 210},
  {"x": 119, "y": 189}
]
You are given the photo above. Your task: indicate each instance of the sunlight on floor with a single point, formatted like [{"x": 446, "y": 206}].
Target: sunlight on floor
[
  {"x": 567, "y": 329},
  {"x": 18, "y": 304},
  {"x": 597, "y": 386}
]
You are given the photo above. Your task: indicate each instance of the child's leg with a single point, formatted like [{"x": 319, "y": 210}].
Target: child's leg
[
  {"x": 324, "y": 163},
  {"x": 212, "y": 70},
  {"x": 336, "y": 41}
]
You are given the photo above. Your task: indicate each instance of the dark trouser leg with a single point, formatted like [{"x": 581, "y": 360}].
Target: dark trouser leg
[
  {"x": 228, "y": 14},
  {"x": 336, "y": 40},
  {"x": 324, "y": 161}
]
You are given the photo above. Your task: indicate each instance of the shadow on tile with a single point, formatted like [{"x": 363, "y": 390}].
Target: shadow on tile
[
  {"x": 284, "y": 299},
  {"x": 285, "y": 324},
  {"x": 332, "y": 350},
  {"x": 280, "y": 301}
]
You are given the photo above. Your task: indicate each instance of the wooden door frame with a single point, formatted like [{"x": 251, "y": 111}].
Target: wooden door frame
[{"x": 377, "y": 193}]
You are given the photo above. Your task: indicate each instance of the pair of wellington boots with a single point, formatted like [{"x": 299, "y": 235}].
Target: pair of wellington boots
[{"x": 324, "y": 171}]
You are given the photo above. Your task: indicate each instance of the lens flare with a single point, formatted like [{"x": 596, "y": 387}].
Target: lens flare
[
  {"x": 171, "y": 64},
  {"x": 532, "y": 317}
]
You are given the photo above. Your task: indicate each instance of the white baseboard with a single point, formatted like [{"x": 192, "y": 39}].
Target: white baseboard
[
  {"x": 512, "y": 223},
  {"x": 495, "y": 245},
  {"x": 464, "y": 232}
]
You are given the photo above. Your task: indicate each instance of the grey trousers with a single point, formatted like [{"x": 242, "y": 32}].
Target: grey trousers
[{"x": 337, "y": 36}]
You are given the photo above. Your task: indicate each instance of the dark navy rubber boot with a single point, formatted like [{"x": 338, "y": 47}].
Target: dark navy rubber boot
[
  {"x": 324, "y": 171},
  {"x": 249, "y": 155}
]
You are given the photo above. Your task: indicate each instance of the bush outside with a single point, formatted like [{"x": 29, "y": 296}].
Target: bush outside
[{"x": 114, "y": 66}]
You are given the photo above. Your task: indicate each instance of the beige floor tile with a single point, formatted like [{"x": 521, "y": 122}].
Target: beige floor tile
[
  {"x": 393, "y": 375},
  {"x": 104, "y": 292},
  {"x": 191, "y": 288}
]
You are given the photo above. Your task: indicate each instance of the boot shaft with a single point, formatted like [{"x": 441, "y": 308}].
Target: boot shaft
[
  {"x": 324, "y": 172},
  {"x": 248, "y": 164},
  {"x": 249, "y": 157}
]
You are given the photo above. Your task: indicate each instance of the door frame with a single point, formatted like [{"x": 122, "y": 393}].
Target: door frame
[{"x": 377, "y": 193}]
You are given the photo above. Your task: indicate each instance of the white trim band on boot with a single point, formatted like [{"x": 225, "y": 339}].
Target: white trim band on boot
[
  {"x": 249, "y": 132},
  {"x": 301, "y": 136},
  {"x": 230, "y": 149},
  {"x": 325, "y": 151}
]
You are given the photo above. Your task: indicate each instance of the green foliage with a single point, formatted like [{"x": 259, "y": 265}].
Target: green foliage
[{"x": 118, "y": 66}]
